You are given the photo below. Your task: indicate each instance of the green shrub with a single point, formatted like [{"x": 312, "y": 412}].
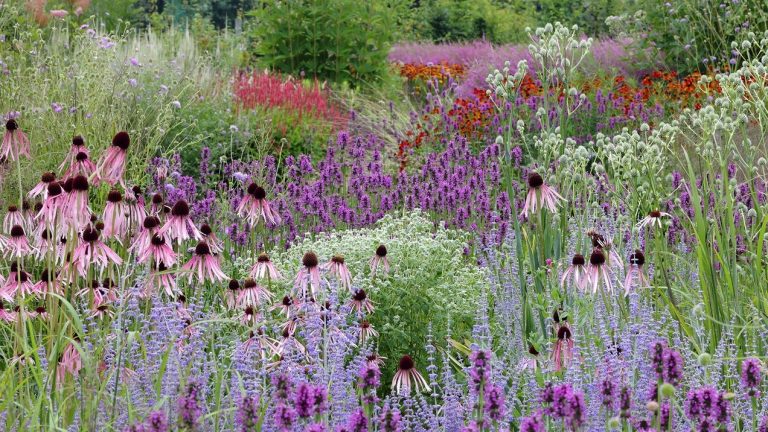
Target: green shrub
[
  {"x": 337, "y": 40},
  {"x": 431, "y": 280}
]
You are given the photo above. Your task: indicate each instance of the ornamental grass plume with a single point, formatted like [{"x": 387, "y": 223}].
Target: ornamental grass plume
[{"x": 15, "y": 142}]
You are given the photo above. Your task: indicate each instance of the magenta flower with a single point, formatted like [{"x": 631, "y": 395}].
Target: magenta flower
[
  {"x": 252, "y": 294},
  {"x": 179, "y": 225},
  {"x": 78, "y": 146},
  {"x": 379, "y": 259},
  {"x": 562, "y": 354},
  {"x": 407, "y": 378},
  {"x": 540, "y": 196},
  {"x": 15, "y": 143},
  {"x": 158, "y": 251},
  {"x": 17, "y": 245},
  {"x": 12, "y": 218},
  {"x": 751, "y": 376},
  {"x": 576, "y": 273},
  {"x": 336, "y": 267},
  {"x": 635, "y": 277},
  {"x": 203, "y": 265},
  {"x": 265, "y": 269},
  {"x": 598, "y": 272},
  {"x": 112, "y": 164},
  {"x": 54, "y": 206},
  {"x": 82, "y": 165},
  {"x": 254, "y": 206},
  {"x": 307, "y": 282},
  {"x": 18, "y": 283},
  {"x": 77, "y": 212},
  {"x": 360, "y": 302},
  {"x": 115, "y": 216},
  {"x": 41, "y": 188},
  {"x": 93, "y": 251}
]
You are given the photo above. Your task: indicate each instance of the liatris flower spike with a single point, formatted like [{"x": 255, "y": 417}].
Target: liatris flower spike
[
  {"x": 112, "y": 165},
  {"x": 540, "y": 195},
  {"x": 15, "y": 143},
  {"x": 407, "y": 378}
]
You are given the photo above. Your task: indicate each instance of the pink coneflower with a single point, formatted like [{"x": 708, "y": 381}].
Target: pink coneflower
[
  {"x": 77, "y": 211},
  {"x": 531, "y": 360},
  {"x": 17, "y": 245},
  {"x": 15, "y": 143},
  {"x": 103, "y": 293},
  {"x": 265, "y": 269},
  {"x": 210, "y": 237},
  {"x": 102, "y": 311},
  {"x": 407, "y": 378},
  {"x": 180, "y": 226},
  {"x": 598, "y": 270},
  {"x": 254, "y": 206},
  {"x": 160, "y": 278},
  {"x": 70, "y": 363},
  {"x": 134, "y": 206},
  {"x": 13, "y": 217},
  {"x": 18, "y": 283},
  {"x": 336, "y": 267},
  {"x": 158, "y": 251},
  {"x": 78, "y": 146},
  {"x": 252, "y": 294},
  {"x": 48, "y": 283},
  {"x": 635, "y": 277},
  {"x": 653, "y": 219},
  {"x": 307, "y": 282},
  {"x": 54, "y": 205},
  {"x": 286, "y": 306},
  {"x": 563, "y": 351},
  {"x": 149, "y": 228},
  {"x": 576, "y": 272},
  {"x": 231, "y": 293},
  {"x": 82, "y": 165},
  {"x": 265, "y": 345},
  {"x": 380, "y": 259},
  {"x": 7, "y": 315},
  {"x": 250, "y": 316},
  {"x": 157, "y": 205},
  {"x": 204, "y": 265},
  {"x": 375, "y": 359},
  {"x": 288, "y": 343},
  {"x": 360, "y": 302},
  {"x": 365, "y": 331},
  {"x": 41, "y": 189},
  {"x": 540, "y": 195},
  {"x": 93, "y": 251},
  {"x": 112, "y": 165},
  {"x": 39, "y": 312},
  {"x": 115, "y": 220},
  {"x": 600, "y": 242}
]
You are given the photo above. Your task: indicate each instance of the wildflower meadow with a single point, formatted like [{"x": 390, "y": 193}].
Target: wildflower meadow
[{"x": 345, "y": 216}]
